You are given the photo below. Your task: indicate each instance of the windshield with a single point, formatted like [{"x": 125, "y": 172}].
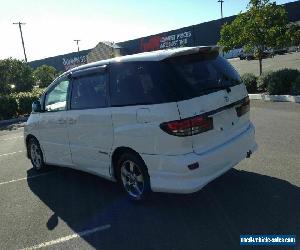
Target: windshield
[{"x": 199, "y": 74}]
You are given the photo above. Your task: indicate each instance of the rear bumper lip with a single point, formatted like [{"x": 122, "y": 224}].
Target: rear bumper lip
[{"x": 173, "y": 176}]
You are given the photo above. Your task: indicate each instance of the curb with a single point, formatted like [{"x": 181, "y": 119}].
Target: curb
[
  {"x": 12, "y": 121},
  {"x": 275, "y": 98}
]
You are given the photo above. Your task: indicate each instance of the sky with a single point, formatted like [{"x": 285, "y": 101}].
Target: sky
[{"x": 52, "y": 25}]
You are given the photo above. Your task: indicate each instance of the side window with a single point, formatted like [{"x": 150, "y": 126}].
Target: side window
[
  {"x": 89, "y": 92},
  {"x": 56, "y": 99},
  {"x": 138, "y": 83}
]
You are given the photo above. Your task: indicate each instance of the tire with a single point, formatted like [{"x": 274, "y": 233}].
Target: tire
[
  {"x": 133, "y": 176},
  {"x": 36, "y": 154}
]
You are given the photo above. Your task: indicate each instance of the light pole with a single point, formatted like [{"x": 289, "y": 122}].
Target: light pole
[
  {"x": 221, "y": 2},
  {"x": 20, "y": 27},
  {"x": 77, "y": 41}
]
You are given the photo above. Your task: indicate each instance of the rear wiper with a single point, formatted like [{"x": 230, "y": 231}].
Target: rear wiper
[
  {"x": 235, "y": 82},
  {"x": 227, "y": 88},
  {"x": 232, "y": 81}
]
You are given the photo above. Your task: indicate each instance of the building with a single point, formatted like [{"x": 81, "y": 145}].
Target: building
[
  {"x": 103, "y": 50},
  {"x": 63, "y": 62},
  {"x": 207, "y": 33},
  {"x": 202, "y": 34}
]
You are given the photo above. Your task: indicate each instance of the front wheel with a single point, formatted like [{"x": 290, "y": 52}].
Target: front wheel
[
  {"x": 36, "y": 154},
  {"x": 134, "y": 177}
]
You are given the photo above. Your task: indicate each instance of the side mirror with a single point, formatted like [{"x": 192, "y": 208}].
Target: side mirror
[{"x": 36, "y": 107}]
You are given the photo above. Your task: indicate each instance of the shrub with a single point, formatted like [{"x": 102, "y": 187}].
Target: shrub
[
  {"x": 25, "y": 100},
  {"x": 8, "y": 107},
  {"x": 296, "y": 86},
  {"x": 250, "y": 81},
  {"x": 263, "y": 80},
  {"x": 18, "y": 103},
  {"x": 38, "y": 91},
  {"x": 281, "y": 81}
]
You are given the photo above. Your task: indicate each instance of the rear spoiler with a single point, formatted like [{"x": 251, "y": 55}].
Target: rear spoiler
[{"x": 195, "y": 50}]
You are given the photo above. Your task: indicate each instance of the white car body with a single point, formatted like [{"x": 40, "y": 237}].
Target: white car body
[{"x": 86, "y": 139}]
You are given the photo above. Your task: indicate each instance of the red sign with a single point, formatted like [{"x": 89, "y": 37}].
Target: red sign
[
  {"x": 153, "y": 43},
  {"x": 165, "y": 41}
]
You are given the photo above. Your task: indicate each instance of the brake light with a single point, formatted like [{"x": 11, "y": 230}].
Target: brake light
[
  {"x": 244, "y": 108},
  {"x": 189, "y": 126}
]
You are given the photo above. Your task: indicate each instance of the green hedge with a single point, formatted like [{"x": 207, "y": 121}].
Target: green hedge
[
  {"x": 25, "y": 100},
  {"x": 17, "y": 104},
  {"x": 250, "y": 80},
  {"x": 296, "y": 86},
  {"x": 8, "y": 107},
  {"x": 281, "y": 82},
  {"x": 263, "y": 80}
]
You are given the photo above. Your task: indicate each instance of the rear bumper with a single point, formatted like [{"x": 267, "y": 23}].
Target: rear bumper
[{"x": 171, "y": 174}]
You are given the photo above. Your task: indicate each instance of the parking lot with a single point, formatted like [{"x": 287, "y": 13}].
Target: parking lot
[
  {"x": 67, "y": 209},
  {"x": 289, "y": 60}
]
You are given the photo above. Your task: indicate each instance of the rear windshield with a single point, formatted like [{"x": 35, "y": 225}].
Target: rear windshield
[
  {"x": 179, "y": 78},
  {"x": 199, "y": 74}
]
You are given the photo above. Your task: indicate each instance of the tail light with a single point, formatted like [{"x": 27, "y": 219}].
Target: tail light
[
  {"x": 189, "y": 126},
  {"x": 244, "y": 107}
]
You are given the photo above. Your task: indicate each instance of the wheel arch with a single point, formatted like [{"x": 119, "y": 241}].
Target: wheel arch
[{"x": 117, "y": 154}]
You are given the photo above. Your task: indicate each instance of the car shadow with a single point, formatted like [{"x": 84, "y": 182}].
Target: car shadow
[{"x": 239, "y": 202}]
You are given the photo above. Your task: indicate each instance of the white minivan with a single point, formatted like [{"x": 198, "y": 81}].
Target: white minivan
[{"x": 164, "y": 121}]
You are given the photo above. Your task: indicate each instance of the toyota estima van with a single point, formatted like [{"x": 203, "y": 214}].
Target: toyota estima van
[{"x": 164, "y": 121}]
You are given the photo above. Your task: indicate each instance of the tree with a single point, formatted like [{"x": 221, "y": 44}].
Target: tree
[
  {"x": 294, "y": 34},
  {"x": 5, "y": 88},
  {"x": 263, "y": 25},
  {"x": 44, "y": 75},
  {"x": 15, "y": 76}
]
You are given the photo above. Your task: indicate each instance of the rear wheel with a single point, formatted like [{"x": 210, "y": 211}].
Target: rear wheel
[
  {"x": 133, "y": 176},
  {"x": 36, "y": 155}
]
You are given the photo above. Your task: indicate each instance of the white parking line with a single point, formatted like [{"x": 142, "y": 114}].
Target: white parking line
[
  {"x": 12, "y": 153},
  {"x": 69, "y": 237},
  {"x": 27, "y": 178},
  {"x": 11, "y": 138}
]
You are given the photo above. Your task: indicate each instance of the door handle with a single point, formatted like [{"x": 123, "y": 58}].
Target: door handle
[{"x": 72, "y": 121}]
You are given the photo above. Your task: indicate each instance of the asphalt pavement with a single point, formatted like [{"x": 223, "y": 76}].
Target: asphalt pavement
[
  {"x": 288, "y": 61},
  {"x": 66, "y": 209}
]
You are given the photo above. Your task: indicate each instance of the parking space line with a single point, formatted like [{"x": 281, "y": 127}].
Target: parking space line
[
  {"x": 26, "y": 178},
  {"x": 69, "y": 237},
  {"x": 12, "y": 153},
  {"x": 11, "y": 138}
]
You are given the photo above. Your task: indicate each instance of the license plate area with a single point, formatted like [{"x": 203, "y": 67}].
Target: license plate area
[{"x": 225, "y": 119}]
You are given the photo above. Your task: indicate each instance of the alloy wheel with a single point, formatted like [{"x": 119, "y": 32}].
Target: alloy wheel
[
  {"x": 36, "y": 157},
  {"x": 132, "y": 179}
]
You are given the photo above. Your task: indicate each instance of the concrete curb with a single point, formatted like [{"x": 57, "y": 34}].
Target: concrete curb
[
  {"x": 275, "y": 98},
  {"x": 12, "y": 121}
]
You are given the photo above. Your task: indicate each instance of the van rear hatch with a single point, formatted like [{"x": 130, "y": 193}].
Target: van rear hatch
[{"x": 212, "y": 100}]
